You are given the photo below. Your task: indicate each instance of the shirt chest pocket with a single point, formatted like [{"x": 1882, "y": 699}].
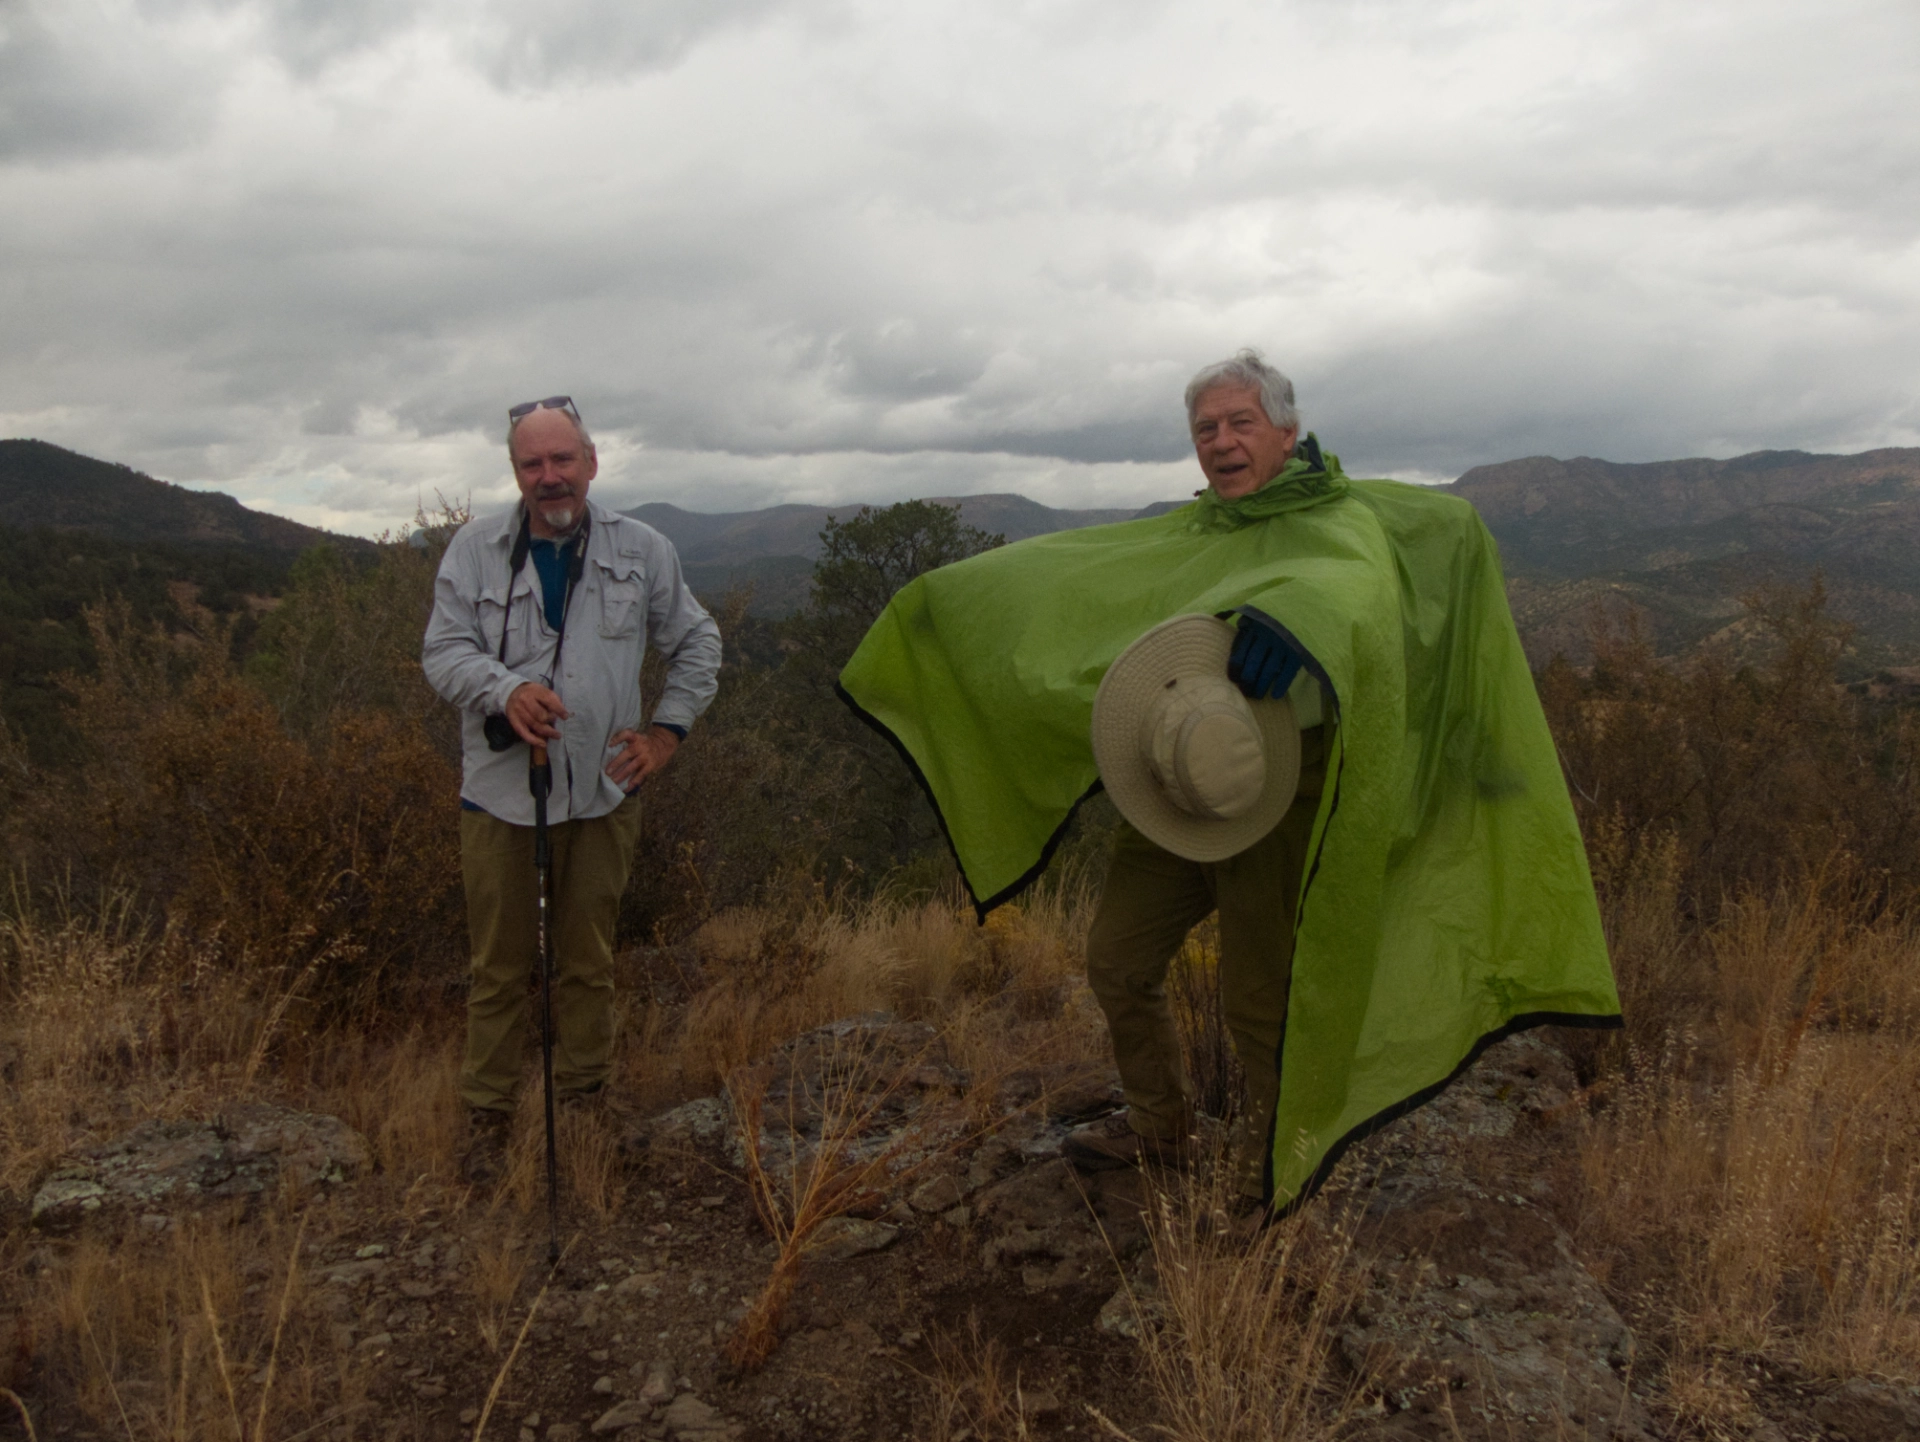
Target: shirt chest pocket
[
  {"x": 623, "y": 596},
  {"x": 490, "y": 608}
]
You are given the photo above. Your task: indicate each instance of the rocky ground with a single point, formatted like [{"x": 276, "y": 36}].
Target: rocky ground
[{"x": 972, "y": 1285}]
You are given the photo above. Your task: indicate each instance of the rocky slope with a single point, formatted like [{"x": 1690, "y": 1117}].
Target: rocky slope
[{"x": 976, "y": 1254}]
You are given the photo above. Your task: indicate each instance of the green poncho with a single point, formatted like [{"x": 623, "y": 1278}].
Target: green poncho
[{"x": 1446, "y": 901}]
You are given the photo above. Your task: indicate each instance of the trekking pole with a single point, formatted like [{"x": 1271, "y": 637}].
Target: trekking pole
[{"x": 540, "y": 781}]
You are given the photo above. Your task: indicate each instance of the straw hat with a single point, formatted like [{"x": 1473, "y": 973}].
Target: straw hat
[{"x": 1194, "y": 765}]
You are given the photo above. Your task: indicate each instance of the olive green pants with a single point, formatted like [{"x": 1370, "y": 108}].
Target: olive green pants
[
  {"x": 591, "y": 862},
  {"x": 1151, "y": 900}
]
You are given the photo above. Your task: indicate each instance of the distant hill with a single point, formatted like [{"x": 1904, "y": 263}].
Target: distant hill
[
  {"x": 1682, "y": 539},
  {"x": 773, "y": 549},
  {"x": 77, "y": 531},
  {"x": 42, "y": 485}
]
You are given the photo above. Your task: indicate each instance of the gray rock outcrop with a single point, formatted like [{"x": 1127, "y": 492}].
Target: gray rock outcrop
[
  {"x": 1478, "y": 1319},
  {"x": 164, "y": 1167}
]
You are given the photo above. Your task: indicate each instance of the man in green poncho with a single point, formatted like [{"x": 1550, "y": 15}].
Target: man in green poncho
[
  {"x": 1244, "y": 424},
  {"x": 1306, "y": 696}
]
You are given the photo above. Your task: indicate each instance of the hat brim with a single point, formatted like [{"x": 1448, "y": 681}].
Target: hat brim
[{"x": 1185, "y": 646}]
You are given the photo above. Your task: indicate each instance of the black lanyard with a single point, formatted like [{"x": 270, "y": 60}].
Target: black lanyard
[{"x": 576, "y": 565}]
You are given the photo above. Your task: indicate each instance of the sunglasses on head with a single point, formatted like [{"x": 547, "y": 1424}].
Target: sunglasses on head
[{"x": 516, "y": 414}]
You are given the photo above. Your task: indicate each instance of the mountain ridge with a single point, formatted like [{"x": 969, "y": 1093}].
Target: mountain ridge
[
  {"x": 793, "y": 528},
  {"x": 1681, "y": 541},
  {"x": 44, "y": 486}
]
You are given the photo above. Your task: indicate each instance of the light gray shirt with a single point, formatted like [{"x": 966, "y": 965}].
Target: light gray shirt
[{"x": 631, "y": 595}]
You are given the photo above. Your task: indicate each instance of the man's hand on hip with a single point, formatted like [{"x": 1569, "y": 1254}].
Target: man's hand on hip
[
  {"x": 532, "y": 711},
  {"x": 641, "y": 754}
]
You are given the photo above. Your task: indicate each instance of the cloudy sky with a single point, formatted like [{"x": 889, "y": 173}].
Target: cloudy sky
[{"x": 307, "y": 251}]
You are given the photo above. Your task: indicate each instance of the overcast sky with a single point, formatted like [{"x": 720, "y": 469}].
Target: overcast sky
[{"x": 308, "y": 251}]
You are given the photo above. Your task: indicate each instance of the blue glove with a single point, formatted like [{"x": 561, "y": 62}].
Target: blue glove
[{"x": 1262, "y": 663}]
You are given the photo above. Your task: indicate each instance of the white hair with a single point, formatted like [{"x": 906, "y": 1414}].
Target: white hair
[{"x": 1247, "y": 368}]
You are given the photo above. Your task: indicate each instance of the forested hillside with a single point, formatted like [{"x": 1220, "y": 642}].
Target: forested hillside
[
  {"x": 77, "y": 532},
  {"x": 1682, "y": 541}
]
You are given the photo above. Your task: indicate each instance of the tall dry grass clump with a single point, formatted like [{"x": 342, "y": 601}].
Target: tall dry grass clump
[
  {"x": 977, "y": 1390},
  {"x": 1238, "y": 1326},
  {"x": 1007, "y": 994},
  {"x": 1749, "y": 1170},
  {"x": 102, "y": 1018},
  {"x": 1754, "y": 1183},
  {"x": 206, "y": 1332}
]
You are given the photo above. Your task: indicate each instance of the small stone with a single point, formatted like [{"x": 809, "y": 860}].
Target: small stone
[
  {"x": 938, "y": 1195},
  {"x": 711, "y": 1202},
  {"x": 631, "y": 1413},
  {"x": 564, "y": 1432},
  {"x": 1038, "y": 1404},
  {"x": 429, "y": 1391},
  {"x": 603, "y": 1385},
  {"x": 469, "y": 1415},
  {"x": 598, "y": 1354},
  {"x": 647, "y": 1284},
  {"x": 853, "y": 1237},
  {"x": 378, "y": 1339},
  {"x": 532, "y": 1419},
  {"x": 688, "y": 1413},
  {"x": 957, "y": 1216},
  {"x": 1118, "y": 1317},
  {"x": 371, "y": 1250},
  {"x": 658, "y": 1387}
]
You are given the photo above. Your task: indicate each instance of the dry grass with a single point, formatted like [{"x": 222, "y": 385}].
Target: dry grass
[
  {"x": 1005, "y": 995},
  {"x": 1746, "y": 1182},
  {"x": 201, "y": 1333},
  {"x": 1238, "y": 1326},
  {"x": 1001, "y": 998},
  {"x": 809, "y": 1182},
  {"x": 1753, "y": 1181},
  {"x": 975, "y": 1390},
  {"x": 1749, "y": 1182}
]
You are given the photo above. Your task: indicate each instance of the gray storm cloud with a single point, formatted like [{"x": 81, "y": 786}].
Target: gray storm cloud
[{"x": 309, "y": 252}]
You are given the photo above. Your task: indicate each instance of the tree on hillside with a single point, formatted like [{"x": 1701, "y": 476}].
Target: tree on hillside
[{"x": 863, "y": 562}]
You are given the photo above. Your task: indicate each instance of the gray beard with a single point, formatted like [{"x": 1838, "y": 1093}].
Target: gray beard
[{"x": 559, "y": 522}]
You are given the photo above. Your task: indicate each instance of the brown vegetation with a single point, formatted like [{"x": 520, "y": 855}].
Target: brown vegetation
[{"x": 252, "y": 889}]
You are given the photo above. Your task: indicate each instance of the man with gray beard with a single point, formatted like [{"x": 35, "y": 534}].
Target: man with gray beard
[{"x": 549, "y": 655}]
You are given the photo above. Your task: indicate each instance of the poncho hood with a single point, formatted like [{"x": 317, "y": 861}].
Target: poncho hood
[{"x": 1446, "y": 901}]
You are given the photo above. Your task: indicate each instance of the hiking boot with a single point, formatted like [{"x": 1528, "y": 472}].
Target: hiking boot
[
  {"x": 483, "y": 1160},
  {"x": 1110, "y": 1143}
]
